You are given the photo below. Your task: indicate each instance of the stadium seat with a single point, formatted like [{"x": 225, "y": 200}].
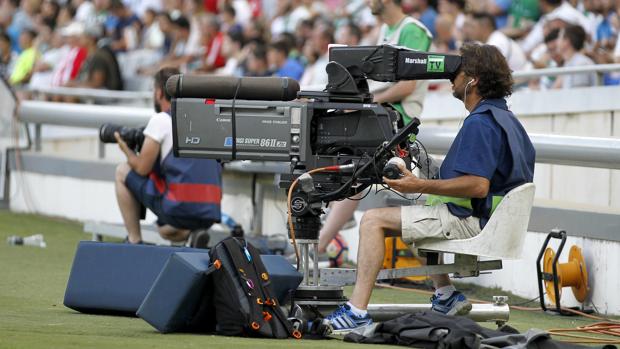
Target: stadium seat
[{"x": 502, "y": 236}]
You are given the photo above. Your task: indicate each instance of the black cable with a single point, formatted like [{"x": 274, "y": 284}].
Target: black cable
[
  {"x": 526, "y": 302},
  {"x": 233, "y": 122}
]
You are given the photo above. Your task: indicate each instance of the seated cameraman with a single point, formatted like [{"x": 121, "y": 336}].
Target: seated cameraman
[
  {"x": 183, "y": 193},
  {"x": 490, "y": 155}
]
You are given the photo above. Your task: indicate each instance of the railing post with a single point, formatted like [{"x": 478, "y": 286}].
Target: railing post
[
  {"x": 37, "y": 137},
  {"x": 101, "y": 153}
]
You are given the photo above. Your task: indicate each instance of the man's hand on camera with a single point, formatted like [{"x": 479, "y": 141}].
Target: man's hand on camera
[
  {"x": 407, "y": 183},
  {"x": 122, "y": 144}
]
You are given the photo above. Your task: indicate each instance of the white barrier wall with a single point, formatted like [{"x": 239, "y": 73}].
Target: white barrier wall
[{"x": 588, "y": 112}]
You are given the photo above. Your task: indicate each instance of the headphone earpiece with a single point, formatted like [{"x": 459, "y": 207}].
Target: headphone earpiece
[{"x": 470, "y": 81}]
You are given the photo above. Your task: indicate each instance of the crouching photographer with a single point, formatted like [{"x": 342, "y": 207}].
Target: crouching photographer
[{"x": 184, "y": 193}]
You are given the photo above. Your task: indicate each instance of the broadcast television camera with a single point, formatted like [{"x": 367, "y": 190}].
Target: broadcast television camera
[
  {"x": 337, "y": 141},
  {"x": 339, "y": 130}
]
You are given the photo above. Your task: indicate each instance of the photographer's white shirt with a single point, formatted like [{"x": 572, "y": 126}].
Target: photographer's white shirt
[{"x": 159, "y": 129}]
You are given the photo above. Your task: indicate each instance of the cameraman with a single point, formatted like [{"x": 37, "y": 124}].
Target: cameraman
[
  {"x": 405, "y": 96},
  {"x": 490, "y": 155},
  {"x": 185, "y": 194}
]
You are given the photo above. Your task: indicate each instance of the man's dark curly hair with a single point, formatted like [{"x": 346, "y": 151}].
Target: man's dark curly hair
[{"x": 486, "y": 63}]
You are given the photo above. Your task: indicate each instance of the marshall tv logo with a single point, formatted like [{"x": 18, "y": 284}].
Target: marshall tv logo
[
  {"x": 409, "y": 60},
  {"x": 434, "y": 64}
]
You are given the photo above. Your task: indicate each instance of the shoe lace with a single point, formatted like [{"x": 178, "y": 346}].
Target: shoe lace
[{"x": 340, "y": 311}]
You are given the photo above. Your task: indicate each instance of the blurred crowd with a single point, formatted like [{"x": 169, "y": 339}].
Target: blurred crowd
[{"x": 119, "y": 44}]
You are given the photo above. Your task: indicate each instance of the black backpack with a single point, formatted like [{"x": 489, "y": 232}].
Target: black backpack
[{"x": 242, "y": 296}]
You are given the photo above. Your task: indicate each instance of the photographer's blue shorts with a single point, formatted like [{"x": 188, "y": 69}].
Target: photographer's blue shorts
[{"x": 137, "y": 186}]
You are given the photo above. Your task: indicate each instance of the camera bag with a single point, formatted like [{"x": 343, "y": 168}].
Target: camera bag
[{"x": 243, "y": 298}]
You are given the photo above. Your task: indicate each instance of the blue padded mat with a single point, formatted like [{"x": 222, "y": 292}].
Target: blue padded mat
[
  {"x": 174, "y": 302},
  {"x": 114, "y": 277}
]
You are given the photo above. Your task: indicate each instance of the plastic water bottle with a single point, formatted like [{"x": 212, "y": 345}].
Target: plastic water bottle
[{"x": 32, "y": 240}]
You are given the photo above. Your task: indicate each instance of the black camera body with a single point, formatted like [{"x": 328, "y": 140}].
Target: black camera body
[{"x": 133, "y": 136}]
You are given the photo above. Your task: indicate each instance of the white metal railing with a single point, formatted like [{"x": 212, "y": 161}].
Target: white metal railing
[
  {"x": 552, "y": 149},
  {"x": 108, "y": 96},
  {"x": 94, "y": 95}
]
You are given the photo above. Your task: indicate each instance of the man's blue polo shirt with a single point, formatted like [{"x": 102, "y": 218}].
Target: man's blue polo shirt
[{"x": 492, "y": 144}]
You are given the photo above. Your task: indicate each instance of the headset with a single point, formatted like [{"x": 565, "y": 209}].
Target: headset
[{"x": 464, "y": 99}]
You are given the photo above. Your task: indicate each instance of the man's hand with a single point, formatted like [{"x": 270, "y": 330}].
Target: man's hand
[
  {"x": 123, "y": 145},
  {"x": 407, "y": 183}
]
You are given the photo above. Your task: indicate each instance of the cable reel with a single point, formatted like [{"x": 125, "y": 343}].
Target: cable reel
[{"x": 556, "y": 276}]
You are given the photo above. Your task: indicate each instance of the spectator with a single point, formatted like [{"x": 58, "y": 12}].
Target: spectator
[
  {"x": 65, "y": 16},
  {"x": 100, "y": 69},
  {"x": 315, "y": 75},
  {"x": 570, "y": 43},
  {"x": 552, "y": 9},
  {"x": 605, "y": 38},
  {"x": 23, "y": 19},
  {"x": 8, "y": 8},
  {"x": 70, "y": 64},
  {"x": 212, "y": 40},
  {"x": 444, "y": 27},
  {"x": 231, "y": 50},
  {"x": 425, "y": 13},
  {"x": 481, "y": 27},
  {"x": 522, "y": 16},
  {"x": 294, "y": 46},
  {"x": 456, "y": 10},
  {"x": 47, "y": 67},
  {"x": 166, "y": 26},
  {"x": 49, "y": 13},
  {"x": 124, "y": 32},
  {"x": 287, "y": 17},
  {"x": 257, "y": 62},
  {"x": 7, "y": 56},
  {"x": 152, "y": 37},
  {"x": 280, "y": 63},
  {"x": 498, "y": 9},
  {"x": 22, "y": 72},
  {"x": 84, "y": 11},
  {"x": 551, "y": 58},
  {"x": 349, "y": 34},
  {"x": 178, "y": 54},
  {"x": 229, "y": 22}
]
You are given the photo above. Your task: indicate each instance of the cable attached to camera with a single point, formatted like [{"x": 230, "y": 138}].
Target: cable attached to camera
[{"x": 233, "y": 122}]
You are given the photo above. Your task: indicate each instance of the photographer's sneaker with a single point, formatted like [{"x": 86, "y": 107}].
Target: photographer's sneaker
[
  {"x": 456, "y": 304},
  {"x": 343, "y": 321}
]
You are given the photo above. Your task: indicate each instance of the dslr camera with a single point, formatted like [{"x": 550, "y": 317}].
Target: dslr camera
[{"x": 133, "y": 136}]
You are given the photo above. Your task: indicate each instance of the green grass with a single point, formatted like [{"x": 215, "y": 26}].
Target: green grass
[{"x": 33, "y": 281}]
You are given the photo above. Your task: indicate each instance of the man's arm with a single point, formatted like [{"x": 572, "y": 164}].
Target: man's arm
[
  {"x": 141, "y": 163},
  {"x": 466, "y": 186},
  {"x": 396, "y": 92}
]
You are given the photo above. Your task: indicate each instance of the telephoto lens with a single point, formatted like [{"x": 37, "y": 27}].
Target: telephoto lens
[
  {"x": 132, "y": 136},
  {"x": 391, "y": 169}
]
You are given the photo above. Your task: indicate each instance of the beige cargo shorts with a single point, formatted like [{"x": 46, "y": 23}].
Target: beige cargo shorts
[{"x": 435, "y": 222}]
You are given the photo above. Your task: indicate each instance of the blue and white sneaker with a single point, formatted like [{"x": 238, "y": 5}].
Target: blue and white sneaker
[
  {"x": 456, "y": 304},
  {"x": 343, "y": 321}
]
